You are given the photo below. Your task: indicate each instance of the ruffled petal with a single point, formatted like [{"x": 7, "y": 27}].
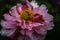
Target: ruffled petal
[
  {"x": 22, "y": 32},
  {"x": 29, "y": 5},
  {"x": 8, "y": 24},
  {"x": 26, "y": 32},
  {"x": 47, "y": 17},
  {"x": 25, "y": 25},
  {"x": 42, "y": 6},
  {"x": 35, "y": 10},
  {"x": 29, "y": 32},
  {"x": 13, "y": 12},
  {"x": 43, "y": 10},
  {"x": 35, "y": 36},
  {"x": 15, "y": 35},
  {"x": 19, "y": 8},
  {"x": 50, "y": 26},
  {"x": 35, "y": 24},
  {"x": 49, "y": 21},
  {"x": 31, "y": 35},
  {"x": 8, "y": 17},
  {"x": 7, "y": 32},
  {"x": 41, "y": 30},
  {"x": 38, "y": 18},
  {"x": 34, "y": 4}
]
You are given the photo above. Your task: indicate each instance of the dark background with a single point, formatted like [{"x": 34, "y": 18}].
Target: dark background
[{"x": 53, "y": 7}]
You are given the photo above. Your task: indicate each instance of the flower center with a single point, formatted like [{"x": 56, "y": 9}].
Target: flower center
[{"x": 26, "y": 14}]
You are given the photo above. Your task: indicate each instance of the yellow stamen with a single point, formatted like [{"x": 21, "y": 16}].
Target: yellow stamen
[{"x": 26, "y": 14}]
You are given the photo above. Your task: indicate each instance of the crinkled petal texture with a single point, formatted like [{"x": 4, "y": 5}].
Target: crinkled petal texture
[{"x": 35, "y": 29}]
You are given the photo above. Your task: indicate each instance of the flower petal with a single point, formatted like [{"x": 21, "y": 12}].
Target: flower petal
[
  {"x": 40, "y": 30},
  {"x": 15, "y": 35},
  {"x": 38, "y": 18},
  {"x": 42, "y": 10},
  {"x": 7, "y": 32},
  {"x": 22, "y": 32},
  {"x": 29, "y": 32},
  {"x": 34, "y": 4},
  {"x": 36, "y": 36},
  {"x": 42, "y": 6},
  {"x": 8, "y": 24},
  {"x": 48, "y": 21},
  {"x": 13, "y": 12},
  {"x": 26, "y": 32},
  {"x": 48, "y": 18},
  {"x": 35, "y": 10},
  {"x": 35, "y": 24},
  {"x": 29, "y": 5},
  {"x": 8, "y": 17},
  {"x": 50, "y": 26},
  {"x": 19, "y": 8}
]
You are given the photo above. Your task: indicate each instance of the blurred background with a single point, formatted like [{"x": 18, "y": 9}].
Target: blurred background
[{"x": 53, "y": 7}]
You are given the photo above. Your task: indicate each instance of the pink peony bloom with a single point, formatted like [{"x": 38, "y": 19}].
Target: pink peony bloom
[{"x": 29, "y": 20}]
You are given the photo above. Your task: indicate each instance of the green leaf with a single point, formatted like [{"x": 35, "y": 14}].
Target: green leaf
[{"x": 8, "y": 6}]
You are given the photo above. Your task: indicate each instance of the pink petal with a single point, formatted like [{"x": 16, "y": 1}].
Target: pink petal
[
  {"x": 13, "y": 12},
  {"x": 22, "y": 32},
  {"x": 48, "y": 21},
  {"x": 32, "y": 35},
  {"x": 50, "y": 26},
  {"x": 8, "y": 17},
  {"x": 42, "y": 6},
  {"x": 34, "y": 4},
  {"x": 42, "y": 10},
  {"x": 35, "y": 10},
  {"x": 26, "y": 32},
  {"x": 35, "y": 36},
  {"x": 19, "y": 8},
  {"x": 7, "y": 32},
  {"x": 38, "y": 18},
  {"x": 15, "y": 35},
  {"x": 48, "y": 18},
  {"x": 29, "y": 5},
  {"x": 25, "y": 25},
  {"x": 35, "y": 24},
  {"x": 8, "y": 24},
  {"x": 29, "y": 32},
  {"x": 40, "y": 30}
]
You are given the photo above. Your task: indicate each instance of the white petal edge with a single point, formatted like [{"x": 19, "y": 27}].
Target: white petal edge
[{"x": 34, "y": 4}]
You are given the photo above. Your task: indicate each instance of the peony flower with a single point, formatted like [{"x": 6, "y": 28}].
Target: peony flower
[{"x": 27, "y": 21}]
